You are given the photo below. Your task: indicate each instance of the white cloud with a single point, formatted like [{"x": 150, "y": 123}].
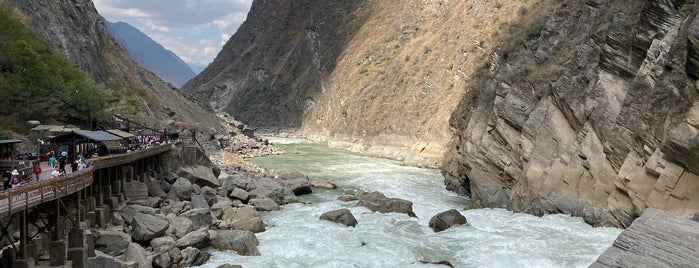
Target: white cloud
[{"x": 180, "y": 25}]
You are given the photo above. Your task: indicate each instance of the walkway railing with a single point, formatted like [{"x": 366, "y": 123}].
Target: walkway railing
[{"x": 32, "y": 194}]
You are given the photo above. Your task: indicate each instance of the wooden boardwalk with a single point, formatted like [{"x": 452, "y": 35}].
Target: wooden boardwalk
[{"x": 35, "y": 193}]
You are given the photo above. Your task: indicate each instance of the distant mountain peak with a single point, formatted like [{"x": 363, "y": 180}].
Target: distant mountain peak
[{"x": 151, "y": 55}]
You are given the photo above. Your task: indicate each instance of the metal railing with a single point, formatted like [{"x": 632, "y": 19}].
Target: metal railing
[{"x": 35, "y": 193}]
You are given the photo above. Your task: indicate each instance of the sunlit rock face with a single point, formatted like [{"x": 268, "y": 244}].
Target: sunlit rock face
[{"x": 595, "y": 115}]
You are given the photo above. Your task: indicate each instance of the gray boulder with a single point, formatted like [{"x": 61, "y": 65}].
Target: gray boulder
[
  {"x": 270, "y": 188},
  {"x": 242, "y": 242},
  {"x": 199, "y": 201},
  {"x": 155, "y": 189},
  {"x": 147, "y": 227},
  {"x": 376, "y": 201},
  {"x": 264, "y": 204},
  {"x": 199, "y": 175},
  {"x": 179, "y": 226},
  {"x": 297, "y": 182},
  {"x": 129, "y": 211},
  {"x": 323, "y": 184},
  {"x": 176, "y": 208},
  {"x": 137, "y": 254},
  {"x": 111, "y": 243},
  {"x": 447, "y": 219},
  {"x": 341, "y": 216},
  {"x": 198, "y": 239},
  {"x": 170, "y": 177},
  {"x": 239, "y": 194},
  {"x": 105, "y": 260},
  {"x": 151, "y": 202},
  {"x": 209, "y": 195},
  {"x": 200, "y": 217},
  {"x": 255, "y": 224},
  {"x": 162, "y": 244},
  {"x": 193, "y": 257},
  {"x": 162, "y": 260},
  {"x": 181, "y": 189}
]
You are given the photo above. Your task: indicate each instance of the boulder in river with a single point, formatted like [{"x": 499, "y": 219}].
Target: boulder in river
[
  {"x": 297, "y": 182},
  {"x": 341, "y": 216},
  {"x": 447, "y": 219},
  {"x": 198, "y": 239},
  {"x": 192, "y": 256},
  {"x": 241, "y": 241},
  {"x": 323, "y": 184},
  {"x": 377, "y": 201},
  {"x": 264, "y": 204}
]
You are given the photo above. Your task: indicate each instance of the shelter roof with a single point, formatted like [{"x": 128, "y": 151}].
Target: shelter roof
[
  {"x": 10, "y": 141},
  {"x": 121, "y": 133},
  {"x": 85, "y": 136}
]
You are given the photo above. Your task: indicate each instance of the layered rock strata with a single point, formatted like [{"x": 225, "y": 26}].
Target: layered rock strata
[{"x": 595, "y": 115}]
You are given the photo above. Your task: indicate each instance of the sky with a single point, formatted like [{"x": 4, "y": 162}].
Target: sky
[{"x": 195, "y": 30}]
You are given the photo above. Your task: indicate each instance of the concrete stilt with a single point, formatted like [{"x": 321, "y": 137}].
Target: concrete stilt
[
  {"x": 78, "y": 256},
  {"x": 26, "y": 263},
  {"x": 58, "y": 254}
]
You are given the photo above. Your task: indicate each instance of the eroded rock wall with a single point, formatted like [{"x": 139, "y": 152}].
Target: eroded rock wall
[{"x": 595, "y": 115}]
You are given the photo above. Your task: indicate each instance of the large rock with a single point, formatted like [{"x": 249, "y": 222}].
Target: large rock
[
  {"x": 447, "y": 219},
  {"x": 151, "y": 202},
  {"x": 201, "y": 218},
  {"x": 376, "y": 201},
  {"x": 129, "y": 211},
  {"x": 255, "y": 224},
  {"x": 341, "y": 216},
  {"x": 137, "y": 254},
  {"x": 656, "y": 239},
  {"x": 111, "y": 243},
  {"x": 107, "y": 261},
  {"x": 323, "y": 184},
  {"x": 264, "y": 204},
  {"x": 176, "y": 207},
  {"x": 239, "y": 194},
  {"x": 198, "y": 239},
  {"x": 147, "y": 227},
  {"x": 209, "y": 195},
  {"x": 241, "y": 241},
  {"x": 271, "y": 188},
  {"x": 200, "y": 175},
  {"x": 162, "y": 244},
  {"x": 199, "y": 201},
  {"x": 297, "y": 182},
  {"x": 193, "y": 257},
  {"x": 179, "y": 226},
  {"x": 181, "y": 189}
]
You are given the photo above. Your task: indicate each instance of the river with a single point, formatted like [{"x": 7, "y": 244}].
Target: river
[{"x": 295, "y": 237}]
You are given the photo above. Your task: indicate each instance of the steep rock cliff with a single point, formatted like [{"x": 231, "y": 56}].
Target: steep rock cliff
[
  {"x": 378, "y": 77},
  {"x": 596, "y": 115},
  {"x": 75, "y": 27}
]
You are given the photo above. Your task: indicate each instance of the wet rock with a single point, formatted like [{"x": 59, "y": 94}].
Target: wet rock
[
  {"x": 193, "y": 257},
  {"x": 241, "y": 241},
  {"x": 376, "y": 201},
  {"x": 255, "y": 224},
  {"x": 341, "y": 216},
  {"x": 230, "y": 266},
  {"x": 323, "y": 184},
  {"x": 264, "y": 204},
  {"x": 297, "y": 182},
  {"x": 447, "y": 219}
]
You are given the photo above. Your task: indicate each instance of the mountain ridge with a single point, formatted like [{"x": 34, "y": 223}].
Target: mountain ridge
[{"x": 150, "y": 54}]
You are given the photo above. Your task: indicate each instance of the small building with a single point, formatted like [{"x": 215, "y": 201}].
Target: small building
[{"x": 88, "y": 142}]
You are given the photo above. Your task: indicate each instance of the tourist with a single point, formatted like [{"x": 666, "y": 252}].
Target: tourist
[
  {"x": 37, "y": 171},
  {"x": 81, "y": 164},
  {"x": 74, "y": 166},
  {"x": 16, "y": 179},
  {"x": 55, "y": 173},
  {"x": 64, "y": 154},
  {"x": 6, "y": 179},
  {"x": 52, "y": 161},
  {"x": 62, "y": 163}
]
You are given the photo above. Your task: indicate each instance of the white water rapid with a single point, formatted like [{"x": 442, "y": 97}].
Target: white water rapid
[{"x": 295, "y": 237}]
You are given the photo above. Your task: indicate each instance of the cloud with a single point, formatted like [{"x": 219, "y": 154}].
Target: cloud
[{"x": 179, "y": 25}]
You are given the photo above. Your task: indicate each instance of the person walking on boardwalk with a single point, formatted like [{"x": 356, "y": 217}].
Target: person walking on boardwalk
[
  {"x": 55, "y": 173},
  {"x": 16, "y": 179},
  {"x": 52, "y": 161},
  {"x": 37, "y": 171}
]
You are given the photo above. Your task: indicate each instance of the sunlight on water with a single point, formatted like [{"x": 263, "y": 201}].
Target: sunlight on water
[{"x": 295, "y": 237}]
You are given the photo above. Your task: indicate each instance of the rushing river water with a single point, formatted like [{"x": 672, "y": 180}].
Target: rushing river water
[{"x": 295, "y": 237}]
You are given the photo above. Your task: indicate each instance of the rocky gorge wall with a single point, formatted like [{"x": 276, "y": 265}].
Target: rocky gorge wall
[
  {"x": 75, "y": 28},
  {"x": 377, "y": 77},
  {"x": 596, "y": 115}
]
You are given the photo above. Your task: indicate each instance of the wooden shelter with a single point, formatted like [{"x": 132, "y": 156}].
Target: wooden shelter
[{"x": 88, "y": 142}]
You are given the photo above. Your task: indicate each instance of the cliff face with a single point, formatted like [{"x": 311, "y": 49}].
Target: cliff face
[
  {"x": 75, "y": 27},
  {"x": 596, "y": 115},
  {"x": 378, "y": 77}
]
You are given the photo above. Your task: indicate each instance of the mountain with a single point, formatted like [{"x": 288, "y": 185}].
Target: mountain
[
  {"x": 579, "y": 107},
  {"x": 75, "y": 28},
  {"x": 150, "y": 54}
]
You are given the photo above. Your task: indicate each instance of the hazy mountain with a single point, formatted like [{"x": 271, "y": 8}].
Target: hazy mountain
[{"x": 151, "y": 55}]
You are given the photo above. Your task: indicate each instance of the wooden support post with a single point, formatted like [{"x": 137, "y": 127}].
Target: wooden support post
[
  {"x": 78, "y": 205},
  {"x": 57, "y": 233},
  {"x": 23, "y": 234}
]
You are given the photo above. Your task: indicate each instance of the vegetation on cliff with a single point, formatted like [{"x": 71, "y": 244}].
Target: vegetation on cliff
[{"x": 39, "y": 83}]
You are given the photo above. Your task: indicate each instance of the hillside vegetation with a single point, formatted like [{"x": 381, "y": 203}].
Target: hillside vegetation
[{"x": 39, "y": 83}]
